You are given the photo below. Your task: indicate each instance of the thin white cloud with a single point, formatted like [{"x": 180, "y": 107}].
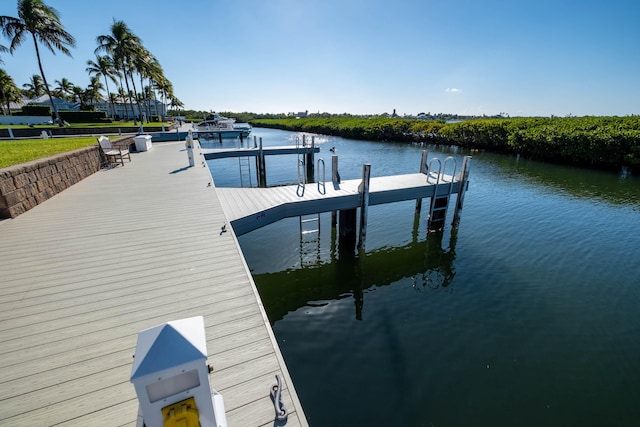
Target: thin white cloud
[{"x": 453, "y": 89}]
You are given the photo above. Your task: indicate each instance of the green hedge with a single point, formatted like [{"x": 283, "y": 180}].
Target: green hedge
[
  {"x": 35, "y": 110},
  {"x": 603, "y": 142},
  {"x": 75, "y": 116}
]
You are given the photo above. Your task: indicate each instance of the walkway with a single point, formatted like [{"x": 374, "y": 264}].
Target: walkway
[{"x": 121, "y": 251}]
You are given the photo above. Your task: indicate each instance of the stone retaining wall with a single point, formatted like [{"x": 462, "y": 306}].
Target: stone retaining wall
[{"x": 25, "y": 186}]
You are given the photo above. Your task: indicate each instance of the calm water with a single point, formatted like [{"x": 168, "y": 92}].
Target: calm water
[{"x": 527, "y": 314}]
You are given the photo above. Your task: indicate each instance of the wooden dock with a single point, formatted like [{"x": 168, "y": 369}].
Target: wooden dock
[
  {"x": 251, "y": 208},
  {"x": 123, "y": 250}
]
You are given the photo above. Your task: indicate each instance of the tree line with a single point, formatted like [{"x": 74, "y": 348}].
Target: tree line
[
  {"x": 121, "y": 58},
  {"x": 600, "y": 142}
]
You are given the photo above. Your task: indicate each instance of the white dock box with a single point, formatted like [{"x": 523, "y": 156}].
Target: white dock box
[
  {"x": 171, "y": 376},
  {"x": 143, "y": 142}
]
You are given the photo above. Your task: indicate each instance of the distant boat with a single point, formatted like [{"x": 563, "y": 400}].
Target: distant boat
[{"x": 216, "y": 125}]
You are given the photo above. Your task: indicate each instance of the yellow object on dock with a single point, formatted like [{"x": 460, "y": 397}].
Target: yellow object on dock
[{"x": 181, "y": 414}]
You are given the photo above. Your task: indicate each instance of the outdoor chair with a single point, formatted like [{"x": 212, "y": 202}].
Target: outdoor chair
[{"x": 111, "y": 153}]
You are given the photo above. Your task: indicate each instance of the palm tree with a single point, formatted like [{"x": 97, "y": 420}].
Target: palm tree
[
  {"x": 121, "y": 45},
  {"x": 3, "y": 49},
  {"x": 152, "y": 70},
  {"x": 65, "y": 88},
  {"x": 93, "y": 90},
  {"x": 81, "y": 96},
  {"x": 43, "y": 24},
  {"x": 103, "y": 66},
  {"x": 9, "y": 91},
  {"x": 35, "y": 87}
]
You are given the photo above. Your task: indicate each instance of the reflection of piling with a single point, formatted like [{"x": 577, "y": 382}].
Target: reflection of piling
[{"x": 464, "y": 182}]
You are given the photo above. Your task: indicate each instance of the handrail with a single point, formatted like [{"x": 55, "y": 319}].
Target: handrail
[
  {"x": 435, "y": 159},
  {"x": 444, "y": 168},
  {"x": 321, "y": 181}
]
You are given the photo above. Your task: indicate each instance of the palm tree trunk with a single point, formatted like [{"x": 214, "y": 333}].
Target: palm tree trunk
[
  {"x": 4, "y": 97},
  {"x": 106, "y": 83},
  {"x": 126, "y": 81},
  {"x": 135, "y": 95},
  {"x": 46, "y": 85},
  {"x": 126, "y": 112},
  {"x": 146, "y": 98}
]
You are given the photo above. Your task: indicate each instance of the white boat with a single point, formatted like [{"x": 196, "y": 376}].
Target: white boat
[{"x": 215, "y": 126}]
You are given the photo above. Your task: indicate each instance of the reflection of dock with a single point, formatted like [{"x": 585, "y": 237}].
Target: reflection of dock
[{"x": 427, "y": 263}]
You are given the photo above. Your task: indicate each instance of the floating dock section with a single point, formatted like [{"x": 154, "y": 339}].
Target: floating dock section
[{"x": 251, "y": 208}]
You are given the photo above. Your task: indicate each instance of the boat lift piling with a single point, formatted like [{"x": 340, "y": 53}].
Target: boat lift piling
[
  {"x": 364, "y": 205},
  {"x": 424, "y": 168},
  {"x": 309, "y": 163},
  {"x": 464, "y": 183},
  {"x": 261, "y": 166},
  {"x": 335, "y": 179}
]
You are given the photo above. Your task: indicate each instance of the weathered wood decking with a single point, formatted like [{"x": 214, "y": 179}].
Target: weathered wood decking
[
  {"x": 251, "y": 208},
  {"x": 123, "y": 250}
]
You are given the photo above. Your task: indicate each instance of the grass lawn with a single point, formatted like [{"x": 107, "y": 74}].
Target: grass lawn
[{"x": 13, "y": 152}]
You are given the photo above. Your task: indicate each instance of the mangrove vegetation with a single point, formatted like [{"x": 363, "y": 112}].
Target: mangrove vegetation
[{"x": 597, "y": 142}]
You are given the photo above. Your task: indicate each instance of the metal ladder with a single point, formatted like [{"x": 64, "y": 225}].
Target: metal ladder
[
  {"x": 440, "y": 200},
  {"x": 244, "y": 163},
  {"x": 309, "y": 239}
]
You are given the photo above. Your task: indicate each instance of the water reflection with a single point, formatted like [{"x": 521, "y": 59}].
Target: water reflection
[
  {"x": 614, "y": 188},
  {"x": 426, "y": 262}
]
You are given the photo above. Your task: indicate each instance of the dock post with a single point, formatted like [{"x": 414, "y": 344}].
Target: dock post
[
  {"x": 220, "y": 137},
  {"x": 335, "y": 175},
  {"x": 335, "y": 179},
  {"x": 255, "y": 144},
  {"x": 309, "y": 163},
  {"x": 347, "y": 232},
  {"x": 241, "y": 140},
  {"x": 261, "y": 166},
  {"x": 424, "y": 168},
  {"x": 364, "y": 205},
  {"x": 462, "y": 189}
]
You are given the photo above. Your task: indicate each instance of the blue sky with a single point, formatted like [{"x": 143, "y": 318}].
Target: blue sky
[{"x": 475, "y": 57}]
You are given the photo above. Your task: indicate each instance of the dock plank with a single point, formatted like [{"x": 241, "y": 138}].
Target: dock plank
[{"x": 123, "y": 250}]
